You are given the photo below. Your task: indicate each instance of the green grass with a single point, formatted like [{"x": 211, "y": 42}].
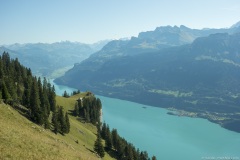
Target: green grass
[{"x": 22, "y": 139}]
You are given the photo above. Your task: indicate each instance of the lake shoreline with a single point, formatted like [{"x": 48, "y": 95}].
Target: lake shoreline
[
  {"x": 225, "y": 120},
  {"x": 152, "y": 129}
]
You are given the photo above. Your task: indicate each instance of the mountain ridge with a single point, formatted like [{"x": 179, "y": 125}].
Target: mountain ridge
[
  {"x": 193, "y": 77},
  {"x": 45, "y": 59},
  {"x": 150, "y": 41}
]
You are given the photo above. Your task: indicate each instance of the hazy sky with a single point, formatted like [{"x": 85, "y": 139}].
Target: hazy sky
[{"x": 88, "y": 21}]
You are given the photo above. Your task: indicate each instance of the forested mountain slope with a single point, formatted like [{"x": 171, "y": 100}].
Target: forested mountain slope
[
  {"x": 201, "y": 78},
  {"x": 43, "y": 126},
  {"x": 150, "y": 41}
]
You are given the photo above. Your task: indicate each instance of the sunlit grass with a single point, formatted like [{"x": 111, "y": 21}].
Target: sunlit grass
[{"x": 22, "y": 139}]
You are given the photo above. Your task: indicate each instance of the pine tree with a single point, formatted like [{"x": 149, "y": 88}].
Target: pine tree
[
  {"x": 5, "y": 95},
  {"x": 18, "y": 86},
  {"x": 27, "y": 91},
  {"x": 98, "y": 146},
  {"x": 67, "y": 123},
  {"x": 35, "y": 112},
  {"x": 19, "y": 93},
  {"x": 104, "y": 130},
  {"x": 76, "y": 109},
  {"x": 120, "y": 148},
  {"x": 65, "y": 94},
  {"x": 1, "y": 68},
  {"x": 62, "y": 121},
  {"x": 51, "y": 97},
  {"x": 114, "y": 138},
  {"x": 108, "y": 138},
  {"x": 154, "y": 158},
  {"x": 46, "y": 123},
  {"x": 128, "y": 154},
  {"x": 55, "y": 123},
  {"x": 144, "y": 155},
  {"x": 80, "y": 107},
  {"x": 45, "y": 100},
  {"x": 12, "y": 89}
]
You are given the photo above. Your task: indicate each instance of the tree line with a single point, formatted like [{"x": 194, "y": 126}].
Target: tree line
[
  {"x": 19, "y": 87},
  {"x": 67, "y": 95},
  {"x": 60, "y": 121},
  {"x": 116, "y": 144},
  {"x": 89, "y": 108}
]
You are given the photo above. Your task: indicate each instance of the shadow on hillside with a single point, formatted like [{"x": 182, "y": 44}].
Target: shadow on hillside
[
  {"x": 71, "y": 112},
  {"x": 81, "y": 119},
  {"x": 90, "y": 150},
  {"x": 21, "y": 110},
  {"x": 112, "y": 153}
]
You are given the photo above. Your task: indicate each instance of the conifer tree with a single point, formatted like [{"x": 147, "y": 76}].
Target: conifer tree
[
  {"x": 128, "y": 154},
  {"x": 35, "y": 112},
  {"x": 19, "y": 93},
  {"x": 46, "y": 123},
  {"x": 80, "y": 107},
  {"x": 120, "y": 148},
  {"x": 104, "y": 130},
  {"x": 108, "y": 138},
  {"x": 98, "y": 146},
  {"x": 5, "y": 95},
  {"x": 67, "y": 123},
  {"x": 1, "y": 68},
  {"x": 76, "y": 109},
  {"x": 17, "y": 85},
  {"x": 45, "y": 100},
  {"x": 55, "y": 123},
  {"x": 27, "y": 90},
  {"x": 62, "y": 121},
  {"x": 51, "y": 97},
  {"x": 114, "y": 138},
  {"x": 11, "y": 87},
  {"x": 65, "y": 94},
  {"x": 144, "y": 155}
]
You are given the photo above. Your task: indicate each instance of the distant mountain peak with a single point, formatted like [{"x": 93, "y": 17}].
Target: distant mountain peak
[
  {"x": 183, "y": 27},
  {"x": 236, "y": 25},
  {"x": 166, "y": 28}
]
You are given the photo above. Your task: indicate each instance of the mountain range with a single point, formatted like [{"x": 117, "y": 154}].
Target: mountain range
[
  {"x": 53, "y": 59},
  {"x": 191, "y": 72}
]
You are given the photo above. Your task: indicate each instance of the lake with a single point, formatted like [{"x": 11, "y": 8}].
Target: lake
[{"x": 165, "y": 136}]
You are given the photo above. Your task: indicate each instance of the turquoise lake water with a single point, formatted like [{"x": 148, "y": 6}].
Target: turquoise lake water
[{"x": 165, "y": 136}]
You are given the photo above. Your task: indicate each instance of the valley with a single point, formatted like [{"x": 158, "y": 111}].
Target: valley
[
  {"x": 173, "y": 79},
  {"x": 200, "y": 79},
  {"x": 120, "y": 80},
  {"x": 164, "y": 133},
  {"x": 51, "y": 60}
]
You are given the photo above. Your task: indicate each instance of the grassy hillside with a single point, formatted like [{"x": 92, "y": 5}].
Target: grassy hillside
[{"x": 22, "y": 139}]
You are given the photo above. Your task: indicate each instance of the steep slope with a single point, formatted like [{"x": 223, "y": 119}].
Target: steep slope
[
  {"x": 22, "y": 139},
  {"x": 202, "y": 78}
]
